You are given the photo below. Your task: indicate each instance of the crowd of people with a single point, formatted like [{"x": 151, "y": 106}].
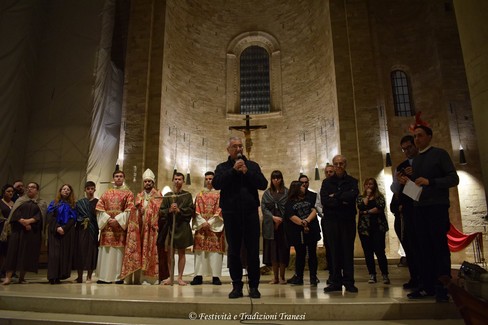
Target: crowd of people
[{"x": 134, "y": 240}]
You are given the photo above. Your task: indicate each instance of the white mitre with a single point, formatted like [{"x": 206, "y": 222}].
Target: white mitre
[{"x": 148, "y": 174}]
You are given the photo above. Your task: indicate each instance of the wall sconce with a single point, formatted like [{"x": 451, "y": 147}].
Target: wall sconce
[
  {"x": 462, "y": 157},
  {"x": 317, "y": 173},
  {"x": 175, "y": 168},
  {"x": 188, "y": 177},
  {"x": 300, "y": 147},
  {"x": 388, "y": 162}
]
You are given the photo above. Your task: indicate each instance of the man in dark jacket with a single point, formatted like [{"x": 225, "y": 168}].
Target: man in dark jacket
[
  {"x": 402, "y": 208},
  {"x": 434, "y": 171},
  {"x": 338, "y": 195},
  {"x": 239, "y": 180}
]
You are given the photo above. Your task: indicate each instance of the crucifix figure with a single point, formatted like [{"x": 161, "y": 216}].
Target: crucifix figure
[{"x": 247, "y": 133}]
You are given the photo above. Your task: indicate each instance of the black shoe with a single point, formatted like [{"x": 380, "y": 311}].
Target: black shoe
[
  {"x": 119, "y": 282},
  {"x": 297, "y": 281},
  {"x": 410, "y": 285},
  {"x": 372, "y": 278},
  {"x": 254, "y": 293},
  {"x": 386, "y": 279},
  {"x": 103, "y": 282},
  {"x": 216, "y": 281},
  {"x": 441, "y": 294},
  {"x": 197, "y": 280},
  {"x": 314, "y": 281},
  {"x": 403, "y": 262},
  {"x": 420, "y": 294},
  {"x": 351, "y": 288},
  {"x": 57, "y": 281},
  {"x": 293, "y": 278},
  {"x": 52, "y": 281},
  {"x": 333, "y": 287},
  {"x": 236, "y": 293}
]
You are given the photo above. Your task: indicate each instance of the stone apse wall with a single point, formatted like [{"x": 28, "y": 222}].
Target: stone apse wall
[{"x": 330, "y": 64}]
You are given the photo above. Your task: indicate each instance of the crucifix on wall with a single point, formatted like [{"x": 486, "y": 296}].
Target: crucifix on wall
[{"x": 247, "y": 129}]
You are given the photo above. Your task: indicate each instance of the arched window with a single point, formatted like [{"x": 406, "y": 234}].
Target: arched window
[
  {"x": 401, "y": 94},
  {"x": 254, "y": 81},
  {"x": 253, "y": 67}
]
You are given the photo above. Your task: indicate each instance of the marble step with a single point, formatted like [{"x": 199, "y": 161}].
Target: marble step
[
  {"x": 207, "y": 302},
  {"x": 373, "y": 302}
]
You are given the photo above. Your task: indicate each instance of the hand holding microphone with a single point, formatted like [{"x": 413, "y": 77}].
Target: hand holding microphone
[{"x": 240, "y": 164}]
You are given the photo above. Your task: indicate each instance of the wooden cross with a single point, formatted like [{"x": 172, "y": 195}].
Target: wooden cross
[{"x": 247, "y": 133}]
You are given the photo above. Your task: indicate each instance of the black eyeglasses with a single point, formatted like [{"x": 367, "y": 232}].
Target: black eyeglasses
[{"x": 407, "y": 148}]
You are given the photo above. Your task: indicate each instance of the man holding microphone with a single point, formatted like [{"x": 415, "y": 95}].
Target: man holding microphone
[{"x": 239, "y": 180}]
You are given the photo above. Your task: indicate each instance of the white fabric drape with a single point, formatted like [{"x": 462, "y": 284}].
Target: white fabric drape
[{"x": 61, "y": 96}]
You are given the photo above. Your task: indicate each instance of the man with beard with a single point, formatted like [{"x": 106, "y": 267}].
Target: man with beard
[
  {"x": 175, "y": 234},
  {"x": 141, "y": 253},
  {"x": 24, "y": 229}
]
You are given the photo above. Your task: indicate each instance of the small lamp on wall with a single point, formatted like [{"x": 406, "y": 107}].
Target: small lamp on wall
[
  {"x": 317, "y": 173},
  {"x": 388, "y": 160},
  {"x": 300, "y": 147},
  {"x": 188, "y": 177},
  {"x": 462, "y": 157}
]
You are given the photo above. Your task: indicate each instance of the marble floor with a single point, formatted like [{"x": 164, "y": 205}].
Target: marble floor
[{"x": 38, "y": 302}]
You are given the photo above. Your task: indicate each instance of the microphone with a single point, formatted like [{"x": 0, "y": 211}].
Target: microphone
[{"x": 239, "y": 156}]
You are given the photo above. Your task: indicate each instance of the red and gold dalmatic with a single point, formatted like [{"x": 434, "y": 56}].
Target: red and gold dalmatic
[
  {"x": 142, "y": 233},
  {"x": 113, "y": 202},
  {"x": 207, "y": 210}
]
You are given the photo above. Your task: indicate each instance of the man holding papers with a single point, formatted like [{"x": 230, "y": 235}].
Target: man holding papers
[
  {"x": 434, "y": 171},
  {"x": 404, "y": 213}
]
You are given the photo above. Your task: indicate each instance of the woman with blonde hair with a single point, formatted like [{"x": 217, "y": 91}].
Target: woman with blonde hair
[
  {"x": 372, "y": 228},
  {"x": 61, "y": 217}
]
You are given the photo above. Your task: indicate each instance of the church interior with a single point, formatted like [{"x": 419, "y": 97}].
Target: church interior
[{"x": 163, "y": 84}]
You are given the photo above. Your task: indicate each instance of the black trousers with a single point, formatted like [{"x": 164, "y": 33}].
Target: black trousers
[
  {"x": 242, "y": 233},
  {"x": 409, "y": 245},
  {"x": 374, "y": 244},
  {"x": 431, "y": 224},
  {"x": 328, "y": 258},
  {"x": 340, "y": 237},
  {"x": 301, "y": 253}
]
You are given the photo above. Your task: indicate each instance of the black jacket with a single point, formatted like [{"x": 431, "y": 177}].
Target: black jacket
[
  {"x": 343, "y": 204},
  {"x": 238, "y": 191}
]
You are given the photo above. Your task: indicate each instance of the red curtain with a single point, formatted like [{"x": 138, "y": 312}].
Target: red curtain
[{"x": 458, "y": 241}]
